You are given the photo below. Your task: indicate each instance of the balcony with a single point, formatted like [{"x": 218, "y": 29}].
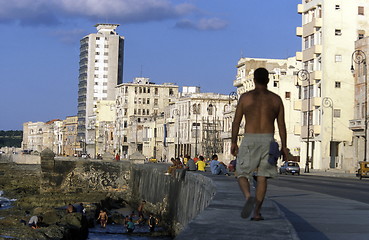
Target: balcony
[
  {"x": 237, "y": 82},
  {"x": 300, "y": 8},
  {"x": 310, "y": 28},
  {"x": 316, "y": 75},
  {"x": 309, "y": 53},
  {"x": 314, "y": 130},
  {"x": 299, "y": 31},
  {"x": 357, "y": 125},
  {"x": 298, "y": 56}
]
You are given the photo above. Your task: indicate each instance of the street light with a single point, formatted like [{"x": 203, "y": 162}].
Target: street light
[
  {"x": 328, "y": 103},
  {"x": 215, "y": 148},
  {"x": 304, "y": 75},
  {"x": 359, "y": 57},
  {"x": 231, "y": 97},
  {"x": 195, "y": 110},
  {"x": 177, "y": 112}
]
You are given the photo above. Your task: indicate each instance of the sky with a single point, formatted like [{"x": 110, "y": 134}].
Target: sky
[{"x": 187, "y": 42}]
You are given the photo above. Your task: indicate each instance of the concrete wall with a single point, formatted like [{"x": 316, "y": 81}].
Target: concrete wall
[
  {"x": 177, "y": 198},
  {"x": 20, "y": 158}
]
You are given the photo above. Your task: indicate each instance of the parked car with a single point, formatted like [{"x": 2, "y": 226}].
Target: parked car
[{"x": 290, "y": 167}]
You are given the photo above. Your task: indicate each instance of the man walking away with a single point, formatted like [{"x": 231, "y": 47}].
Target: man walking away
[{"x": 261, "y": 108}]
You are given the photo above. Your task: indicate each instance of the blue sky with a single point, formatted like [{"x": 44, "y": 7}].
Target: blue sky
[{"x": 187, "y": 42}]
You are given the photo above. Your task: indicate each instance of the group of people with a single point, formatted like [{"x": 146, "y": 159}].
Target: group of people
[{"x": 199, "y": 164}]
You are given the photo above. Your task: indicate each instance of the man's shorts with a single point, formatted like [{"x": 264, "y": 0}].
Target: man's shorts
[{"x": 253, "y": 156}]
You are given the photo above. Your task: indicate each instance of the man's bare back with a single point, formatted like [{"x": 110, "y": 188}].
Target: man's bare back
[{"x": 260, "y": 108}]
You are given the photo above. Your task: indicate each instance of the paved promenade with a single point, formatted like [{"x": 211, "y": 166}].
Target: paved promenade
[{"x": 288, "y": 213}]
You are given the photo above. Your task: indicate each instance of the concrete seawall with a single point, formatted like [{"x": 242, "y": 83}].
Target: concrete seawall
[
  {"x": 20, "y": 158},
  {"x": 177, "y": 198}
]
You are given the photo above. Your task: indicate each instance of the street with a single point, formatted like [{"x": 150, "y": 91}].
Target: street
[
  {"x": 321, "y": 207},
  {"x": 348, "y": 188}
]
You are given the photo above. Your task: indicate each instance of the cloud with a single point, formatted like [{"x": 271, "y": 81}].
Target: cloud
[
  {"x": 52, "y": 12},
  {"x": 69, "y": 36},
  {"x": 203, "y": 24}
]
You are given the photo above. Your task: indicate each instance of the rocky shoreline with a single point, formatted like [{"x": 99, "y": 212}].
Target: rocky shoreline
[{"x": 22, "y": 182}]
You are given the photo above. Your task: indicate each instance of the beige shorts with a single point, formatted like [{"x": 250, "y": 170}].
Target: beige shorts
[{"x": 253, "y": 154}]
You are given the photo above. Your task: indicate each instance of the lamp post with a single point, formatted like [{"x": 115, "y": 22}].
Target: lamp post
[
  {"x": 215, "y": 148},
  {"x": 177, "y": 112},
  {"x": 359, "y": 57},
  {"x": 304, "y": 75},
  {"x": 328, "y": 102},
  {"x": 195, "y": 110},
  {"x": 231, "y": 97}
]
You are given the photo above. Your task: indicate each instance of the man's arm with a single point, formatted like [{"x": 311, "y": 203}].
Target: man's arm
[
  {"x": 282, "y": 130},
  {"x": 236, "y": 127}
]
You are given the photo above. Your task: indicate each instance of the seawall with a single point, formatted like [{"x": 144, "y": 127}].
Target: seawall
[{"x": 177, "y": 198}]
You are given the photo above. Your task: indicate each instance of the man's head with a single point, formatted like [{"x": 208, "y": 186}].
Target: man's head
[
  {"x": 201, "y": 158},
  {"x": 261, "y": 76},
  {"x": 214, "y": 157}
]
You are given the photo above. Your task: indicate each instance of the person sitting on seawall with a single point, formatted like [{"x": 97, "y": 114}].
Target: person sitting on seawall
[
  {"x": 190, "y": 166},
  {"x": 216, "y": 167},
  {"x": 201, "y": 164},
  {"x": 35, "y": 221}
]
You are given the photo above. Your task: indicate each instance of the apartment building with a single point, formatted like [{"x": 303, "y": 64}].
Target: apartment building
[
  {"x": 139, "y": 102},
  {"x": 282, "y": 81},
  {"x": 71, "y": 145},
  {"x": 328, "y": 33},
  {"x": 358, "y": 124},
  {"x": 100, "y": 71},
  {"x": 195, "y": 124}
]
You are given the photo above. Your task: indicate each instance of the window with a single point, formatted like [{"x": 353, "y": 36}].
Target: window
[
  {"x": 337, "y": 84},
  {"x": 275, "y": 84},
  {"x": 360, "y": 36},
  {"x": 105, "y": 69},
  {"x": 171, "y": 92},
  {"x": 337, "y": 32},
  {"x": 337, "y": 113},
  {"x": 156, "y": 91},
  {"x": 287, "y": 95},
  {"x": 97, "y": 53},
  {"x": 106, "y": 54},
  {"x": 97, "y": 45},
  {"x": 106, "y": 61},
  {"x": 156, "y": 102},
  {"x": 360, "y": 10},
  {"x": 97, "y": 38},
  {"x": 96, "y": 68},
  {"x": 337, "y": 7},
  {"x": 338, "y": 58}
]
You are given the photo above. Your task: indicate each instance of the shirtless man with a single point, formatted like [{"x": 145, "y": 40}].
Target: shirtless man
[
  {"x": 103, "y": 217},
  {"x": 260, "y": 108}
]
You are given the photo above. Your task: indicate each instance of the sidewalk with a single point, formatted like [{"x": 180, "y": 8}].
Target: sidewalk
[
  {"x": 289, "y": 214},
  {"x": 330, "y": 173},
  {"x": 222, "y": 218}
]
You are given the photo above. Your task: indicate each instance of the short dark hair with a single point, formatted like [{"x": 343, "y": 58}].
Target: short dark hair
[
  {"x": 261, "y": 76},
  {"x": 201, "y": 158},
  {"x": 214, "y": 156}
]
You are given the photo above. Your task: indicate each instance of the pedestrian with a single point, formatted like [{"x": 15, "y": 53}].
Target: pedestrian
[
  {"x": 201, "y": 164},
  {"x": 70, "y": 208},
  {"x": 261, "y": 108},
  {"x": 117, "y": 157},
  {"x": 216, "y": 167}
]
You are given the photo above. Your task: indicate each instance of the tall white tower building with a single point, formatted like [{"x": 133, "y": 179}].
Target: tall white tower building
[{"x": 100, "y": 71}]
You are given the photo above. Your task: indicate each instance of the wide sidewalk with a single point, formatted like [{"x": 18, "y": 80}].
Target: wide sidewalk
[{"x": 288, "y": 213}]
